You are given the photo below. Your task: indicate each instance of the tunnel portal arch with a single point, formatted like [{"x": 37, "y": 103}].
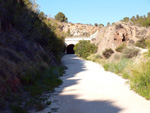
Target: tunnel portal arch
[
  {"x": 71, "y": 42},
  {"x": 69, "y": 49}
]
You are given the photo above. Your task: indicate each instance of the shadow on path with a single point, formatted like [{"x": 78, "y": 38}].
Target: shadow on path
[{"x": 67, "y": 99}]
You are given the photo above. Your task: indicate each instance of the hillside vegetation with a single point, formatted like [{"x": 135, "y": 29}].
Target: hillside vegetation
[
  {"x": 140, "y": 20},
  {"x": 131, "y": 63},
  {"x": 124, "y": 49},
  {"x": 30, "y": 51}
]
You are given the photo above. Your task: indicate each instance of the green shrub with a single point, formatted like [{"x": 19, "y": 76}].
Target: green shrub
[
  {"x": 48, "y": 103},
  {"x": 130, "y": 52},
  {"x": 84, "y": 48},
  {"x": 120, "y": 48},
  {"x": 140, "y": 79},
  {"x": 30, "y": 76},
  {"x": 125, "y": 75},
  {"x": 40, "y": 82},
  {"x": 147, "y": 43},
  {"x": 141, "y": 43},
  {"x": 107, "y": 66},
  {"x": 107, "y": 53}
]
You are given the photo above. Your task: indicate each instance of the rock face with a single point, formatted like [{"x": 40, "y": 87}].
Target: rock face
[
  {"x": 77, "y": 30},
  {"x": 119, "y": 33}
]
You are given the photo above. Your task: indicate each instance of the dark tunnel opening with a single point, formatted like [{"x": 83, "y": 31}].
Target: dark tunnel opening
[{"x": 70, "y": 49}]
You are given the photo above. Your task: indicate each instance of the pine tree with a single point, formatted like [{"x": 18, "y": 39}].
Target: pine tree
[{"x": 61, "y": 17}]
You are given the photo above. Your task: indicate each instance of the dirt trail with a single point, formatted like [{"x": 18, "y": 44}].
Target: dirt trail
[{"x": 87, "y": 88}]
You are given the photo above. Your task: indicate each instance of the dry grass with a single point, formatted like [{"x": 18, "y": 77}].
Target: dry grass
[
  {"x": 116, "y": 67},
  {"x": 130, "y": 52},
  {"x": 10, "y": 55},
  {"x": 96, "y": 58},
  {"x": 140, "y": 78},
  {"x": 115, "y": 57},
  {"x": 8, "y": 68}
]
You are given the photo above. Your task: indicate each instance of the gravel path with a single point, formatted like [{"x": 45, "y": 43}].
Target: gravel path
[{"x": 87, "y": 88}]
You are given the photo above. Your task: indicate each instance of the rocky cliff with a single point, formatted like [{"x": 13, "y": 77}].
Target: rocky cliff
[{"x": 119, "y": 33}]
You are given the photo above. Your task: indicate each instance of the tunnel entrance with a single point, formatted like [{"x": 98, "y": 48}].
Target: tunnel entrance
[{"x": 70, "y": 49}]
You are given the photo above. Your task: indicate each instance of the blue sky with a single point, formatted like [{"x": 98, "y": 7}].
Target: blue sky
[{"x": 95, "y": 11}]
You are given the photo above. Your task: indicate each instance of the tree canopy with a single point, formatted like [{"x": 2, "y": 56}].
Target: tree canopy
[{"x": 61, "y": 17}]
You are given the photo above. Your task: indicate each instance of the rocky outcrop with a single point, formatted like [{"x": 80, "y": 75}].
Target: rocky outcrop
[
  {"x": 119, "y": 33},
  {"x": 77, "y": 30}
]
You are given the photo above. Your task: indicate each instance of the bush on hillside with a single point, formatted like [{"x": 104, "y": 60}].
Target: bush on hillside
[
  {"x": 141, "y": 43},
  {"x": 120, "y": 48},
  {"x": 107, "y": 53},
  {"x": 84, "y": 48},
  {"x": 147, "y": 43},
  {"x": 130, "y": 52}
]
